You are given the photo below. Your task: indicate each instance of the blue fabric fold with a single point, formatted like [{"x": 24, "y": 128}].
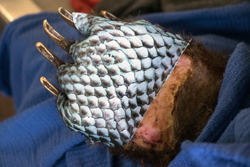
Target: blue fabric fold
[
  {"x": 36, "y": 136},
  {"x": 235, "y": 84}
]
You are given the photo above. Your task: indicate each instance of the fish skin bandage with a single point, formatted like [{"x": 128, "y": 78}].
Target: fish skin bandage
[{"x": 117, "y": 72}]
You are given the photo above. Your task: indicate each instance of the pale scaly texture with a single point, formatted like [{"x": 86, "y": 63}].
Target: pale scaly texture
[{"x": 117, "y": 72}]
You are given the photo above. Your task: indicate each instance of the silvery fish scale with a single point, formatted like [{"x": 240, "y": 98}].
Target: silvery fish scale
[{"x": 117, "y": 72}]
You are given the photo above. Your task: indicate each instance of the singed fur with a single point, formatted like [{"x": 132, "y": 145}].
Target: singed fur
[{"x": 194, "y": 103}]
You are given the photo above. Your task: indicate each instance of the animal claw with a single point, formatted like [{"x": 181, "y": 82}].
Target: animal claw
[
  {"x": 56, "y": 37},
  {"x": 50, "y": 87},
  {"x": 66, "y": 16},
  {"x": 49, "y": 55},
  {"x": 109, "y": 16}
]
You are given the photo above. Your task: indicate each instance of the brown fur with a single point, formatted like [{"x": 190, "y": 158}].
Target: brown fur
[
  {"x": 195, "y": 102},
  {"x": 197, "y": 98}
]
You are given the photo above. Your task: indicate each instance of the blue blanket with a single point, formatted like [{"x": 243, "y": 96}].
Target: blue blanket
[{"x": 36, "y": 136}]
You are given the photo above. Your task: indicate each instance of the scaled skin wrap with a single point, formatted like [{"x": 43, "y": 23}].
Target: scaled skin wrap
[{"x": 117, "y": 72}]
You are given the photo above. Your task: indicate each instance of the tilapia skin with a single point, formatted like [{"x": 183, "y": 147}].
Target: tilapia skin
[{"x": 117, "y": 72}]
